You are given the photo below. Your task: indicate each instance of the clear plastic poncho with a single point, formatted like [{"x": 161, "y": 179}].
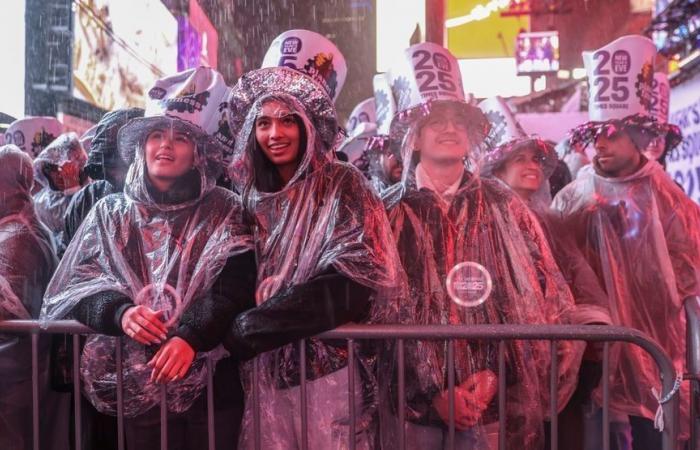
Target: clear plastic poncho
[
  {"x": 641, "y": 235},
  {"x": 27, "y": 261},
  {"x": 50, "y": 204},
  {"x": 326, "y": 217},
  {"x": 165, "y": 256},
  {"x": 485, "y": 223}
]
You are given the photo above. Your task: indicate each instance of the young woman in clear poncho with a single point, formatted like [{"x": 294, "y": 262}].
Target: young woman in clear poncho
[
  {"x": 27, "y": 261},
  {"x": 324, "y": 257},
  {"x": 169, "y": 264},
  {"x": 448, "y": 215}
]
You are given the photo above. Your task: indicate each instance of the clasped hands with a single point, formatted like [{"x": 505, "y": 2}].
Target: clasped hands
[
  {"x": 472, "y": 397},
  {"x": 174, "y": 357}
]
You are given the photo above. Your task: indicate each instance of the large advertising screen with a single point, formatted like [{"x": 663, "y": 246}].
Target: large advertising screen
[
  {"x": 120, "y": 48},
  {"x": 198, "y": 41},
  {"x": 537, "y": 52}
]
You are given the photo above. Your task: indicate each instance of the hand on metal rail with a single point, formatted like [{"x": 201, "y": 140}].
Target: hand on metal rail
[
  {"x": 172, "y": 361},
  {"x": 472, "y": 398},
  {"x": 144, "y": 325}
]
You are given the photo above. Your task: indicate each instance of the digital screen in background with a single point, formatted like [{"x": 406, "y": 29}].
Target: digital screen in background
[
  {"x": 537, "y": 52},
  {"x": 120, "y": 48}
]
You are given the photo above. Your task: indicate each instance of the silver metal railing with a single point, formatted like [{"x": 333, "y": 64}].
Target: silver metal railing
[{"x": 401, "y": 333}]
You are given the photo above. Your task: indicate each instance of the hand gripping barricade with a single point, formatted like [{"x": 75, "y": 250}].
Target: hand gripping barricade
[{"x": 164, "y": 255}]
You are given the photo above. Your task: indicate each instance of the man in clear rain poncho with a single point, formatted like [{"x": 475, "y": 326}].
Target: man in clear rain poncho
[
  {"x": 458, "y": 237},
  {"x": 104, "y": 166},
  {"x": 59, "y": 169},
  {"x": 640, "y": 234},
  {"x": 27, "y": 261},
  {"x": 169, "y": 264},
  {"x": 324, "y": 257}
]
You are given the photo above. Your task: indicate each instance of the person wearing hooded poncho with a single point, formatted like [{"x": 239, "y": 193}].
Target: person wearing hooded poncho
[
  {"x": 27, "y": 261},
  {"x": 169, "y": 264},
  {"x": 447, "y": 216},
  {"x": 625, "y": 211},
  {"x": 104, "y": 166},
  {"x": 324, "y": 257},
  {"x": 525, "y": 164},
  {"x": 59, "y": 170},
  {"x": 639, "y": 233}
]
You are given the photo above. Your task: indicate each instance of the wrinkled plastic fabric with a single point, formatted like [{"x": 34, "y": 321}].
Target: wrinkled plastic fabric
[
  {"x": 485, "y": 223},
  {"x": 326, "y": 217},
  {"x": 51, "y": 205},
  {"x": 165, "y": 256},
  {"x": 27, "y": 261},
  {"x": 641, "y": 235}
]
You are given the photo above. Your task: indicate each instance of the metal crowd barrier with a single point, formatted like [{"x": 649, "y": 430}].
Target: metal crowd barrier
[
  {"x": 401, "y": 333},
  {"x": 692, "y": 315}
]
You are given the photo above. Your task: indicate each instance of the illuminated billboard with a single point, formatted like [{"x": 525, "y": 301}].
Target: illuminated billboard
[
  {"x": 120, "y": 48},
  {"x": 198, "y": 41}
]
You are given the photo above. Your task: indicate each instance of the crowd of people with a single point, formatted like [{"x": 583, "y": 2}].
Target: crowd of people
[{"x": 214, "y": 229}]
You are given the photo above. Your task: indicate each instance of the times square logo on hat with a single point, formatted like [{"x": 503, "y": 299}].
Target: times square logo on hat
[{"x": 309, "y": 53}]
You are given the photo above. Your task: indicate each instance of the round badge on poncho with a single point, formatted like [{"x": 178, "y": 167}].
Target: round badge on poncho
[
  {"x": 469, "y": 284},
  {"x": 161, "y": 297}
]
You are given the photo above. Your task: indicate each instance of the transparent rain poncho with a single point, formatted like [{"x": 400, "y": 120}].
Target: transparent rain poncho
[
  {"x": 165, "y": 256},
  {"x": 25, "y": 244},
  {"x": 591, "y": 300},
  {"x": 27, "y": 261},
  {"x": 326, "y": 218},
  {"x": 485, "y": 223},
  {"x": 51, "y": 204},
  {"x": 641, "y": 236}
]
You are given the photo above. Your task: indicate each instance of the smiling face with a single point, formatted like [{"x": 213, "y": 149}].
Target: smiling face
[
  {"x": 169, "y": 155},
  {"x": 278, "y": 134},
  {"x": 443, "y": 136},
  {"x": 522, "y": 171}
]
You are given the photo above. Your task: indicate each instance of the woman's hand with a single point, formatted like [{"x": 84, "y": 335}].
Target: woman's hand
[
  {"x": 144, "y": 325},
  {"x": 172, "y": 361},
  {"x": 472, "y": 397}
]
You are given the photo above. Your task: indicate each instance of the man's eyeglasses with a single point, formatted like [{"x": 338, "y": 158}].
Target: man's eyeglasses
[{"x": 438, "y": 123}]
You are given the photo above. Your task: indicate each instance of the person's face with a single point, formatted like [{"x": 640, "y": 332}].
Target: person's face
[
  {"x": 169, "y": 154},
  {"x": 616, "y": 154},
  {"x": 522, "y": 171},
  {"x": 655, "y": 149},
  {"x": 443, "y": 136},
  {"x": 392, "y": 167},
  {"x": 64, "y": 177},
  {"x": 278, "y": 134}
]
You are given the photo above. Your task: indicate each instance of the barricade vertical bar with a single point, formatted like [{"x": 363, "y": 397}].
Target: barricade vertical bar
[
  {"x": 553, "y": 393},
  {"x": 211, "y": 431},
  {"x": 692, "y": 314},
  {"x": 606, "y": 396},
  {"x": 451, "y": 391},
  {"x": 402, "y": 397},
  {"x": 302, "y": 392},
  {"x": 256, "y": 404},
  {"x": 351, "y": 393},
  {"x": 501, "y": 395},
  {"x": 76, "y": 393},
  {"x": 120, "y": 396},
  {"x": 35, "y": 388},
  {"x": 163, "y": 417}
]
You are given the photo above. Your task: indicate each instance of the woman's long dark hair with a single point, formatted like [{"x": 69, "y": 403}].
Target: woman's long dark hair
[{"x": 265, "y": 176}]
